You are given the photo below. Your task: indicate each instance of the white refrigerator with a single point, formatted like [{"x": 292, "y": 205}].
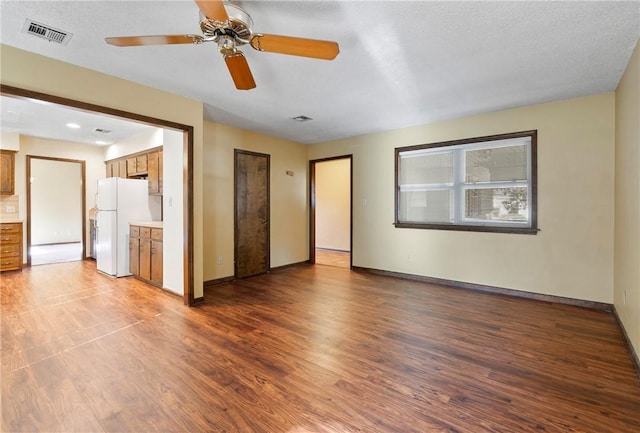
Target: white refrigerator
[{"x": 119, "y": 201}]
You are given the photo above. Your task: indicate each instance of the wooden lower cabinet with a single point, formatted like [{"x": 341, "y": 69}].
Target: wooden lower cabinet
[
  {"x": 10, "y": 247},
  {"x": 145, "y": 254}
]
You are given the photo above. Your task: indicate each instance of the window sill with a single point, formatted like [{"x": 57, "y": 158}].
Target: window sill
[{"x": 470, "y": 228}]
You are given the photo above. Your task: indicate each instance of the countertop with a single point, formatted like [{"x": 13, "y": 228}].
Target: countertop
[
  {"x": 152, "y": 224},
  {"x": 7, "y": 220}
]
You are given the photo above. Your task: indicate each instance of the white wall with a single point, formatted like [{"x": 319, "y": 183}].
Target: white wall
[
  {"x": 571, "y": 256},
  {"x": 56, "y": 202},
  {"x": 10, "y": 141},
  {"x": 173, "y": 218},
  {"x": 139, "y": 142},
  {"x": 333, "y": 204},
  {"x": 626, "y": 295}
]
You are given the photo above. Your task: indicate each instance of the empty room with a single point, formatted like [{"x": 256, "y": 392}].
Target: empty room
[{"x": 320, "y": 216}]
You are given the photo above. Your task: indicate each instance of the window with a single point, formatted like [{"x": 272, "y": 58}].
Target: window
[{"x": 477, "y": 184}]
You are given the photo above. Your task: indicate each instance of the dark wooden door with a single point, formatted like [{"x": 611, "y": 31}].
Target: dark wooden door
[{"x": 251, "y": 213}]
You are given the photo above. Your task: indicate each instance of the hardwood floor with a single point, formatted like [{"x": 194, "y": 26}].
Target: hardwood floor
[
  {"x": 308, "y": 349},
  {"x": 340, "y": 259}
]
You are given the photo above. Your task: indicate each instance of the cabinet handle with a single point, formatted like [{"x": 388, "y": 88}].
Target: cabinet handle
[{"x": 6, "y": 228}]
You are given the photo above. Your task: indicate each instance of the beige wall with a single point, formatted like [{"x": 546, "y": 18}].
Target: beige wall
[
  {"x": 571, "y": 256},
  {"x": 56, "y": 202},
  {"x": 626, "y": 295},
  {"x": 333, "y": 204},
  {"x": 23, "y": 69},
  {"x": 94, "y": 166},
  {"x": 289, "y": 203}
]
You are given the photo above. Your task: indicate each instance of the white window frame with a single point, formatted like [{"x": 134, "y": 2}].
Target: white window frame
[{"x": 460, "y": 185}]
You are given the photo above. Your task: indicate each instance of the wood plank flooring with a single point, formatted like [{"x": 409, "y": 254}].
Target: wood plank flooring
[
  {"x": 309, "y": 349},
  {"x": 340, "y": 259}
]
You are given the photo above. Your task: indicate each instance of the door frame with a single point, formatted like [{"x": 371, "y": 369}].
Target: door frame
[
  {"x": 187, "y": 171},
  {"x": 83, "y": 199},
  {"x": 312, "y": 206},
  {"x": 235, "y": 207}
]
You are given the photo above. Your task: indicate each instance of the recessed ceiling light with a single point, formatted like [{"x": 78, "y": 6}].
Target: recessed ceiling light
[
  {"x": 301, "y": 118},
  {"x": 73, "y": 125},
  {"x": 102, "y": 142}
]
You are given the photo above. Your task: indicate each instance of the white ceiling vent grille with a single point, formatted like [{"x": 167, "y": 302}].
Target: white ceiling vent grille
[{"x": 46, "y": 32}]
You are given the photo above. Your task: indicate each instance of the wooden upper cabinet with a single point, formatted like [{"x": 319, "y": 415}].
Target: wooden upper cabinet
[
  {"x": 7, "y": 172},
  {"x": 153, "y": 173},
  {"x": 147, "y": 165},
  {"x": 160, "y": 176},
  {"x": 137, "y": 165}
]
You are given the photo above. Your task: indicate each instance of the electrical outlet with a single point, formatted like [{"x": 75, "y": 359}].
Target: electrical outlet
[{"x": 219, "y": 260}]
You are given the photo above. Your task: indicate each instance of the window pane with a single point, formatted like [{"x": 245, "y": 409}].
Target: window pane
[
  {"x": 500, "y": 164},
  {"x": 424, "y": 169},
  {"x": 433, "y": 206},
  {"x": 497, "y": 204}
]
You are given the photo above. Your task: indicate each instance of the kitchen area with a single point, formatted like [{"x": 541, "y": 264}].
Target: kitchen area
[
  {"x": 126, "y": 223},
  {"x": 133, "y": 204}
]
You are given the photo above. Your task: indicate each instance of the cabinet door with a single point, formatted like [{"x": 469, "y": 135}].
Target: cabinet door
[
  {"x": 7, "y": 166},
  {"x": 160, "y": 172},
  {"x": 131, "y": 167},
  {"x": 152, "y": 168},
  {"x": 141, "y": 164},
  {"x": 156, "y": 262},
  {"x": 145, "y": 258},
  {"x": 122, "y": 168},
  {"x": 134, "y": 256}
]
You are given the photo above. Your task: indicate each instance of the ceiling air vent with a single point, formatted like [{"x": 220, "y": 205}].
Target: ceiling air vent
[
  {"x": 301, "y": 118},
  {"x": 46, "y": 32},
  {"x": 102, "y": 131}
]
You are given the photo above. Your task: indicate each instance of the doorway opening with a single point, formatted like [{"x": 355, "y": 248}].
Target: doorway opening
[
  {"x": 55, "y": 210},
  {"x": 185, "y": 146},
  {"x": 331, "y": 212}
]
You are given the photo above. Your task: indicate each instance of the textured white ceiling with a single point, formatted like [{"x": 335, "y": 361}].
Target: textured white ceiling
[{"x": 400, "y": 63}]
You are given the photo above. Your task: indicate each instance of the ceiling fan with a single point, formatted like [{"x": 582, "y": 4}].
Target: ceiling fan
[{"x": 230, "y": 26}]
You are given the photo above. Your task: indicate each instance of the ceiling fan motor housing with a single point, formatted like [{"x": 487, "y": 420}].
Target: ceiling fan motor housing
[{"x": 238, "y": 26}]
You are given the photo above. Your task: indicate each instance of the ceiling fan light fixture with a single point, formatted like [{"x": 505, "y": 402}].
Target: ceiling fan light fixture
[{"x": 226, "y": 45}]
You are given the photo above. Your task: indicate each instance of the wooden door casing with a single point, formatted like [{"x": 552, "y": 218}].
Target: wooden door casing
[{"x": 251, "y": 197}]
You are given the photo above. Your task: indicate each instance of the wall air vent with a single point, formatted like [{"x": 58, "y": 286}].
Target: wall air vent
[
  {"x": 102, "y": 131},
  {"x": 46, "y": 32}
]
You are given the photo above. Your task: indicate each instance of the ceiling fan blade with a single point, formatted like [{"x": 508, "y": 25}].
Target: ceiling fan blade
[
  {"x": 132, "y": 41},
  {"x": 314, "y": 48},
  {"x": 213, "y": 9},
  {"x": 240, "y": 72}
]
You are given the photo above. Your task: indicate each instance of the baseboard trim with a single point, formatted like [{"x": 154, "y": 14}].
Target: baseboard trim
[
  {"x": 333, "y": 249},
  {"x": 223, "y": 280},
  {"x": 217, "y": 282},
  {"x": 290, "y": 266},
  {"x": 633, "y": 353},
  {"x": 56, "y": 243},
  {"x": 601, "y": 306},
  {"x": 198, "y": 301}
]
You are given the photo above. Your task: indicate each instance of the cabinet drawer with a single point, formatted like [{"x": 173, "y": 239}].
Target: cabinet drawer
[
  {"x": 10, "y": 263},
  {"x": 10, "y": 250},
  {"x": 10, "y": 238},
  {"x": 134, "y": 232},
  {"x": 145, "y": 232},
  {"x": 9, "y": 228},
  {"x": 156, "y": 234}
]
